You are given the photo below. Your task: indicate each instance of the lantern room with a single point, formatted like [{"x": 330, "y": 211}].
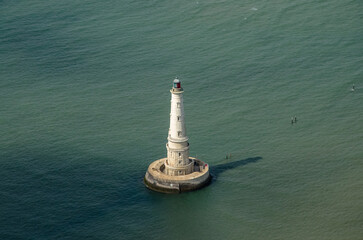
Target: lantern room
[{"x": 176, "y": 83}]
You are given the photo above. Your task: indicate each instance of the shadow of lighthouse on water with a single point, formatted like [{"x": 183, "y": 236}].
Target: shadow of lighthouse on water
[{"x": 216, "y": 170}]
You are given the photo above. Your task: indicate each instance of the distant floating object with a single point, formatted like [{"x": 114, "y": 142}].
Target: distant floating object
[
  {"x": 353, "y": 88},
  {"x": 254, "y": 9}
]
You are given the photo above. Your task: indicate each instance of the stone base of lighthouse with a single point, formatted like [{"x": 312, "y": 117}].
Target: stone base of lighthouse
[{"x": 157, "y": 180}]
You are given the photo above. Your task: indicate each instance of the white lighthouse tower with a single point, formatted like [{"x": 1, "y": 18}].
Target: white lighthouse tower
[
  {"x": 178, "y": 161},
  {"x": 178, "y": 172}
]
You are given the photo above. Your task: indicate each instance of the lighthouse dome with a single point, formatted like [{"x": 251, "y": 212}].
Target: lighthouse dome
[{"x": 176, "y": 83}]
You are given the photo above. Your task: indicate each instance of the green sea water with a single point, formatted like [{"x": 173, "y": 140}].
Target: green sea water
[{"x": 84, "y": 109}]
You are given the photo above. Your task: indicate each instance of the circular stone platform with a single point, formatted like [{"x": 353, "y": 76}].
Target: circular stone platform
[{"x": 157, "y": 180}]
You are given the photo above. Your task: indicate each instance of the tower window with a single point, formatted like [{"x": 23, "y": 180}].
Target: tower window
[
  {"x": 179, "y": 134},
  {"x": 178, "y": 105},
  {"x": 179, "y": 154},
  {"x": 178, "y": 118}
]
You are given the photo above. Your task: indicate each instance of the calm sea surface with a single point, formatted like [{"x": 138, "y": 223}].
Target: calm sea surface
[{"x": 84, "y": 109}]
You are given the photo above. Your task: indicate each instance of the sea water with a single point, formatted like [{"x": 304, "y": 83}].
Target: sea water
[{"x": 84, "y": 109}]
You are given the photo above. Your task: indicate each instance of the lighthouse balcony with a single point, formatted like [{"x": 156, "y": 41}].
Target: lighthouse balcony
[
  {"x": 177, "y": 147},
  {"x": 177, "y": 90},
  {"x": 181, "y": 139}
]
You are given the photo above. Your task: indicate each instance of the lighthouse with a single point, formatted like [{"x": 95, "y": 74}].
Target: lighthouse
[
  {"x": 178, "y": 161},
  {"x": 178, "y": 172}
]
